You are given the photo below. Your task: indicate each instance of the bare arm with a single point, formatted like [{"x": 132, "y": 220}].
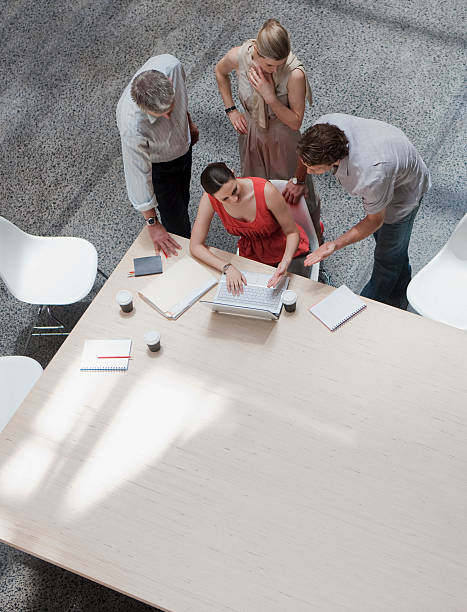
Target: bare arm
[
  {"x": 358, "y": 232},
  {"x": 222, "y": 71},
  {"x": 199, "y": 234},
  {"x": 296, "y": 88},
  {"x": 198, "y": 249},
  {"x": 276, "y": 204}
]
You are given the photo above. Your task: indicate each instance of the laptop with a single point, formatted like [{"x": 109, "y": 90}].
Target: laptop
[{"x": 257, "y": 299}]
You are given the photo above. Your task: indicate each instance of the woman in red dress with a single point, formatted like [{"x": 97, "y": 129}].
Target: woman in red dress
[{"x": 253, "y": 209}]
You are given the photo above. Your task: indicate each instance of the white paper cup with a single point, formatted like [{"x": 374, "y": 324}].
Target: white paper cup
[
  {"x": 125, "y": 300},
  {"x": 289, "y": 299},
  {"x": 153, "y": 340}
]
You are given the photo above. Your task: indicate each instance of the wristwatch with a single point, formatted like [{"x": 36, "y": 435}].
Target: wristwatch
[
  {"x": 225, "y": 268},
  {"x": 153, "y": 220},
  {"x": 296, "y": 181}
]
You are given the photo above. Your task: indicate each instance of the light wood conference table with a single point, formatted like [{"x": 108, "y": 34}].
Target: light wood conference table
[{"x": 250, "y": 466}]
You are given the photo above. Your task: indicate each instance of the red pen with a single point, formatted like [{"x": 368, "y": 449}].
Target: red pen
[{"x": 164, "y": 253}]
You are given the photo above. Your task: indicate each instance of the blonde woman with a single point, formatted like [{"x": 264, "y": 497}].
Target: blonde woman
[{"x": 272, "y": 87}]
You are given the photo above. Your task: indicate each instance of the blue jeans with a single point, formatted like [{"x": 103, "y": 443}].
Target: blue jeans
[{"x": 391, "y": 269}]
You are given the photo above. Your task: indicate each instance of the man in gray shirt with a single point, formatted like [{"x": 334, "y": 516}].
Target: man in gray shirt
[
  {"x": 157, "y": 134},
  {"x": 376, "y": 161}
]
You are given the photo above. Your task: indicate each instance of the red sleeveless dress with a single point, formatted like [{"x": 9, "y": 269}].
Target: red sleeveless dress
[{"x": 262, "y": 239}]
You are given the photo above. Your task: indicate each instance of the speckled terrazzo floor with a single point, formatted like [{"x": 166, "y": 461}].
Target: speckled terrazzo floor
[{"x": 64, "y": 65}]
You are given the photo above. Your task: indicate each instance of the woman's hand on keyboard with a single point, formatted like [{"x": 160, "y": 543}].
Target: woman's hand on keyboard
[
  {"x": 235, "y": 280},
  {"x": 279, "y": 274}
]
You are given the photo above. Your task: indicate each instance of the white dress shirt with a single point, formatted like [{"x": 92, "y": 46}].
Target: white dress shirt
[
  {"x": 382, "y": 167},
  {"x": 147, "y": 139}
]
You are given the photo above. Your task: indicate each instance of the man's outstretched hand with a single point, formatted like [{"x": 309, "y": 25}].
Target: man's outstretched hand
[
  {"x": 162, "y": 240},
  {"x": 326, "y": 249}
]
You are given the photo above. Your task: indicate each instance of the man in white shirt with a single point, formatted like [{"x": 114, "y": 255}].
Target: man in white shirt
[
  {"x": 376, "y": 161},
  {"x": 157, "y": 134}
]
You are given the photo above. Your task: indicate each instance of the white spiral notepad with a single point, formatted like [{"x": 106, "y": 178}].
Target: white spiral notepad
[
  {"x": 106, "y": 354},
  {"x": 338, "y": 307}
]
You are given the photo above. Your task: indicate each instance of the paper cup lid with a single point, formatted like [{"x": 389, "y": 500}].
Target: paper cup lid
[
  {"x": 152, "y": 336},
  {"x": 289, "y": 297},
  {"x": 124, "y": 297}
]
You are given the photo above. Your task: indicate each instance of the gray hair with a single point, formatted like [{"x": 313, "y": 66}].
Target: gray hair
[{"x": 152, "y": 91}]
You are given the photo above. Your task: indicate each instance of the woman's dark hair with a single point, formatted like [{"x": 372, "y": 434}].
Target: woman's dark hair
[
  {"x": 322, "y": 144},
  {"x": 214, "y": 176}
]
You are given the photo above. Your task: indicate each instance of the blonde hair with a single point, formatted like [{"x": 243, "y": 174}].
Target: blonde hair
[{"x": 273, "y": 40}]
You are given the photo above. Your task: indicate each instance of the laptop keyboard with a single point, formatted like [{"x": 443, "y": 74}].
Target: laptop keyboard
[{"x": 253, "y": 296}]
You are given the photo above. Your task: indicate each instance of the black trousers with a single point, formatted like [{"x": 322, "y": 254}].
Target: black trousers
[{"x": 171, "y": 182}]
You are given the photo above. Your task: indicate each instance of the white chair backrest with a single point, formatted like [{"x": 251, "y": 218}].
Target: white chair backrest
[
  {"x": 46, "y": 269},
  {"x": 439, "y": 290},
  {"x": 457, "y": 243},
  {"x": 17, "y": 377},
  {"x": 13, "y": 246},
  {"x": 302, "y": 217}
]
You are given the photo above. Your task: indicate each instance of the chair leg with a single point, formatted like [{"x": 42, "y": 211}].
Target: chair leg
[
  {"x": 32, "y": 328},
  {"x": 50, "y": 330},
  {"x": 324, "y": 277},
  {"x": 47, "y": 330},
  {"x": 103, "y": 274}
]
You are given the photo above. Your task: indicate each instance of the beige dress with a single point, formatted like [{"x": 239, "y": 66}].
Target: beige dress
[{"x": 268, "y": 150}]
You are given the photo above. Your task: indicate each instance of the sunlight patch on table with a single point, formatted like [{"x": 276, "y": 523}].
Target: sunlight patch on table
[
  {"x": 148, "y": 420},
  {"x": 64, "y": 414},
  {"x": 25, "y": 470}
]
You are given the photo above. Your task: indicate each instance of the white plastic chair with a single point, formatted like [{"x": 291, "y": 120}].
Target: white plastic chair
[
  {"x": 439, "y": 290},
  {"x": 302, "y": 217},
  {"x": 18, "y": 375},
  {"x": 46, "y": 271}
]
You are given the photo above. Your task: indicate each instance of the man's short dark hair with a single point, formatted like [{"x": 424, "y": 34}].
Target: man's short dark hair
[
  {"x": 152, "y": 91},
  {"x": 214, "y": 176},
  {"x": 322, "y": 144}
]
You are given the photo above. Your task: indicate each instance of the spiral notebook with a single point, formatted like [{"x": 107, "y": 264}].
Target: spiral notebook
[
  {"x": 106, "y": 354},
  {"x": 338, "y": 307}
]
